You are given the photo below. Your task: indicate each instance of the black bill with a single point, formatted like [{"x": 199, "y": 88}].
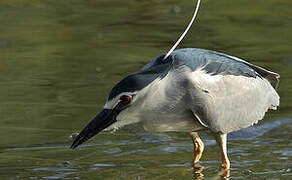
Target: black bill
[{"x": 103, "y": 120}]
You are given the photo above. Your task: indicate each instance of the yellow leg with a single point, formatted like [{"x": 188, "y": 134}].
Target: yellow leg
[
  {"x": 222, "y": 142},
  {"x": 198, "y": 147}
]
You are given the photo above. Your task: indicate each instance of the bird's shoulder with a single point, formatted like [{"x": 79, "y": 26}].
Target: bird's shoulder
[{"x": 212, "y": 62}]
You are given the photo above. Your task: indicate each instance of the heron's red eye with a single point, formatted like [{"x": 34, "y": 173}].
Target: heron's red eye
[{"x": 125, "y": 99}]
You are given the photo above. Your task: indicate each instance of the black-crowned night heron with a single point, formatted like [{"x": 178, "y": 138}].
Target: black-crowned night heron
[{"x": 191, "y": 90}]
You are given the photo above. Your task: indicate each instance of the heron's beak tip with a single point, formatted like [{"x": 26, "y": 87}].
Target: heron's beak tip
[{"x": 104, "y": 119}]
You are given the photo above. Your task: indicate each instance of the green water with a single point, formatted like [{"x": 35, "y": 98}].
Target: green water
[{"x": 59, "y": 59}]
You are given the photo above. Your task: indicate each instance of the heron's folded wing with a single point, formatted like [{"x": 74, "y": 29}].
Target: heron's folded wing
[
  {"x": 219, "y": 63},
  {"x": 227, "y": 102}
]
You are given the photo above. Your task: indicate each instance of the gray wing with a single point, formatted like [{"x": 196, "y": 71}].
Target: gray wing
[
  {"x": 226, "y": 93},
  {"x": 219, "y": 63},
  {"x": 213, "y": 63}
]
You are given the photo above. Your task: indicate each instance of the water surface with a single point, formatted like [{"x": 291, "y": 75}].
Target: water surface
[{"x": 59, "y": 59}]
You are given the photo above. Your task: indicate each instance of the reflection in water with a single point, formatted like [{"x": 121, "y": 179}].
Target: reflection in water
[
  {"x": 54, "y": 173},
  {"x": 110, "y": 155},
  {"x": 198, "y": 173}
]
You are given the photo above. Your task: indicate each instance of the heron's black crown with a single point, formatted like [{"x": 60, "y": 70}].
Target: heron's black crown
[{"x": 157, "y": 68}]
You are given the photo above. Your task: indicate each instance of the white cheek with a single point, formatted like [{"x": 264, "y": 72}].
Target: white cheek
[
  {"x": 125, "y": 117},
  {"x": 122, "y": 116},
  {"x": 129, "y": 115}
]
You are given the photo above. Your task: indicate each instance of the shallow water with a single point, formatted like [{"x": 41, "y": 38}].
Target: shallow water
[{"x": 59, "y": 59}]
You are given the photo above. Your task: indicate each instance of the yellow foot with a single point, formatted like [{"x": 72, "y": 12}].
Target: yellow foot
[{"x": 224, "y": 173}]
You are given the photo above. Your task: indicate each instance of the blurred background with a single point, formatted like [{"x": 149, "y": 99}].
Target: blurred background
[{"x": 59, "y": 60}]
